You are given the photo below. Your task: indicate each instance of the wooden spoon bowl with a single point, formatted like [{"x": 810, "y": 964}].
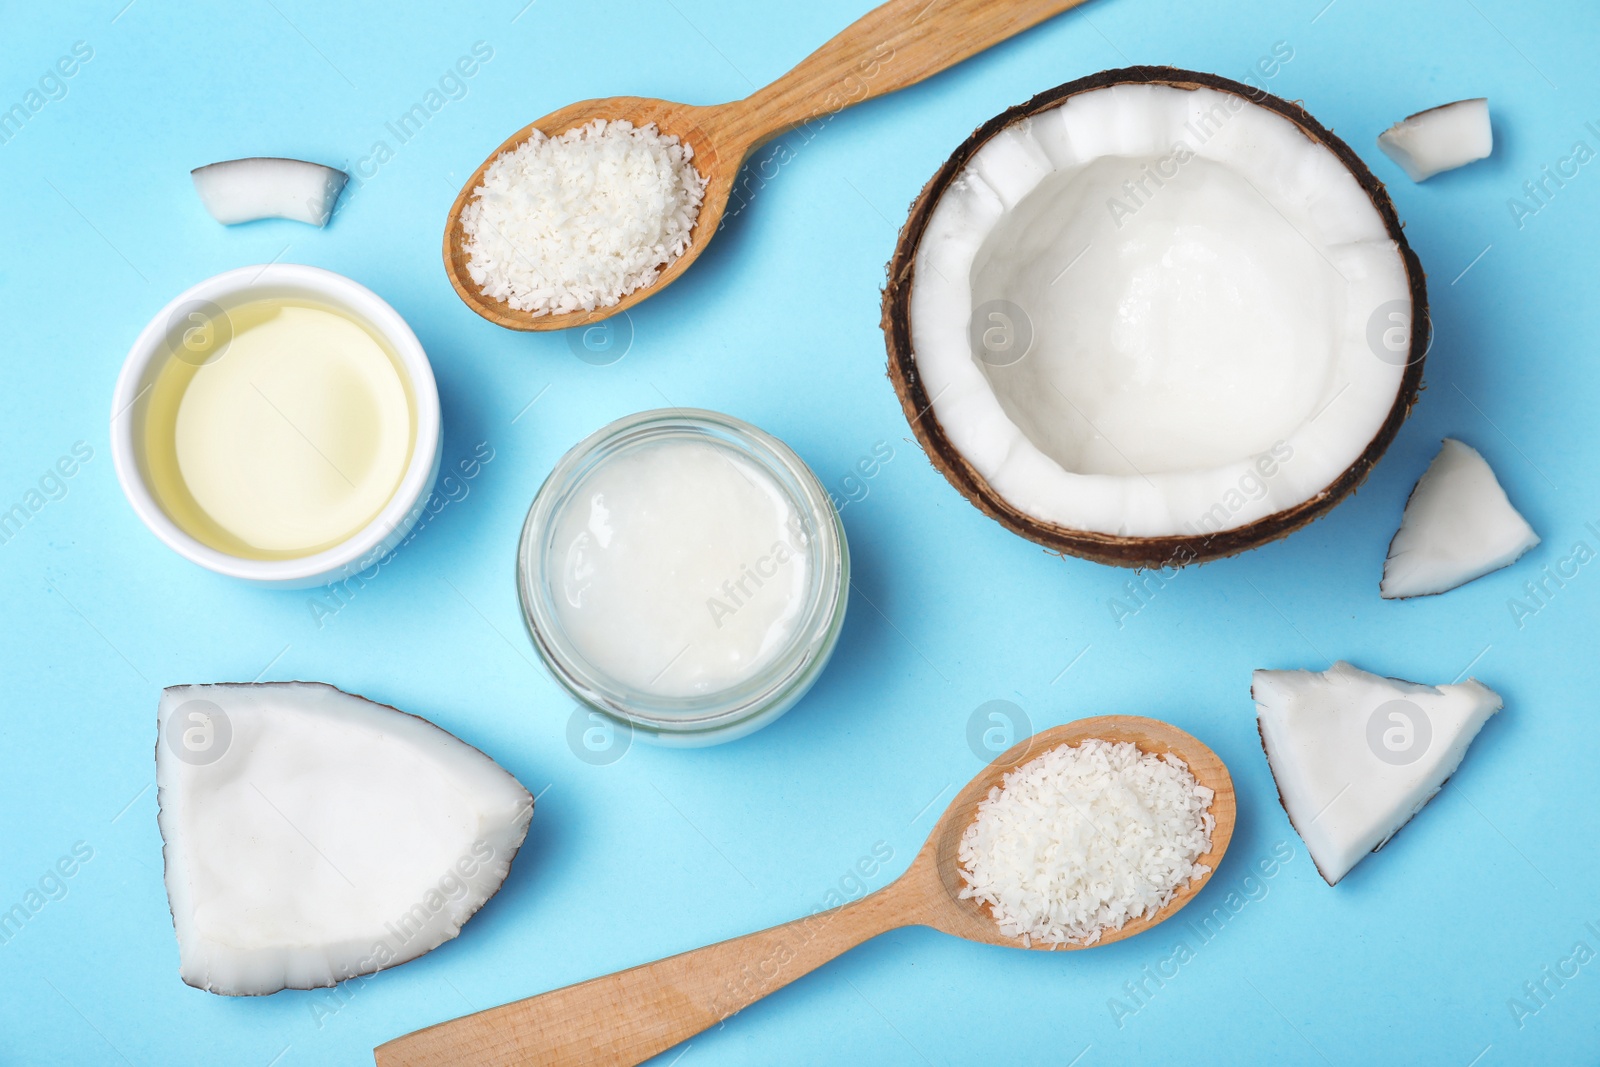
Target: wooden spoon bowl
[
  {"x": 948, "y": 912},
  {"x": 627, "y": 1017},
  {"x": 889, "y": 48},
  {"x": 688, "y": 123}
]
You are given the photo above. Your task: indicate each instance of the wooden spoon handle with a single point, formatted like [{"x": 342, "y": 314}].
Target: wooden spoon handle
[
  {"x": 888, "y": 48},
  {"x": 627, "y": 1017}
]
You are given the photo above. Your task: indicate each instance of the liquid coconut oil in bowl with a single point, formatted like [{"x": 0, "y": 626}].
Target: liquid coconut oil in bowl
[
  {"x": 282, "y": 435},
  {"x": 278, "y": 424},
  {"x": 685, "y": 573}
]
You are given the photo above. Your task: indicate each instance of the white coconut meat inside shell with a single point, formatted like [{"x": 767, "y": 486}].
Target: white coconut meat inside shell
[
  {"x": 1356, "y": 755},
  {"x": 312, "y": 835},
  {"x": 1458, "y": 525},
  {"x": 1148, "y": 312},
  {"x": 1440, "y": 139}
]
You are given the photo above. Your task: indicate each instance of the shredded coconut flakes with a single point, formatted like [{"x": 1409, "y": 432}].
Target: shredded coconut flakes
[
  {"x": 579, "y": 221},
  {"x": 1083, "y": 838}
]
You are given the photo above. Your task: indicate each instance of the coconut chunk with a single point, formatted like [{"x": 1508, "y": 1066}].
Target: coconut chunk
[
  {"x": 243, "y": 190},
  {"x": 1458, "y": 525},
  {"x": 1355, "y": 755},
  {"x": 1440, "y": 139},
  {"x": 312, "y": 835}
]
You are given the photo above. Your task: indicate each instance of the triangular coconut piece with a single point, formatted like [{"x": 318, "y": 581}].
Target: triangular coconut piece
[
  {"x": 1355, "y": 755},
  {"x": 312, "y": 835},
  {"x": 1458, "y": 525}
]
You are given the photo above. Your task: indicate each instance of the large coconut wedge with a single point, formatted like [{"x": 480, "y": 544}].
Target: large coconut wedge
[
  {"x": 1355, "y": 756},
  {"x": 312, "y": 835},
  {"x": 1458, "y": 525},
  {"x": 1154, "y": 317}
]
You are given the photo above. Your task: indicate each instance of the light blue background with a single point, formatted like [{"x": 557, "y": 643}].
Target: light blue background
[{"x": 1412, "y": 959}]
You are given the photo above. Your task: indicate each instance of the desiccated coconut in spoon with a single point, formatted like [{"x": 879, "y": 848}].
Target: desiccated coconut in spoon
[
  {"x": 1083, "y": 839},
  {"x": 581, "y": 220}
]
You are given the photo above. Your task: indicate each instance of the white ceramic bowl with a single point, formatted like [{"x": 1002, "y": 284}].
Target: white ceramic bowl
[{"x": 149, "y": 354}]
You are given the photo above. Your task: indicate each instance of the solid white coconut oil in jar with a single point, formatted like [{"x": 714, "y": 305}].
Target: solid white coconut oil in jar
[{"x": 685, "y": 573}]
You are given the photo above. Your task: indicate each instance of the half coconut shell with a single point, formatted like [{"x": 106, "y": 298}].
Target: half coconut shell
[{"x": 1116, "y": 549}]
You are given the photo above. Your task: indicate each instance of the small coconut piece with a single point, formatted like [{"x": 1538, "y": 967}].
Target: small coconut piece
[
  {"x": 243, "y": 190},
  {"x": 312, "y": 835},
  {"x": 1355, "y": 755},
  {"x": 1458, "y": 525},
  {"x": 1440, "y": 139}
]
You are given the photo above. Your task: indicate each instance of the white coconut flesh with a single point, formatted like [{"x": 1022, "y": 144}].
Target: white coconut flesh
[
  {"x": 1458, "y": 525},
  {"x": 244, "y": 190},
  {"x": 1148, "y": 312},
  {"x": 1355, "y": 755},
  {"x": 312, "y": 836},
  {"x": 1440, "y": 139}
]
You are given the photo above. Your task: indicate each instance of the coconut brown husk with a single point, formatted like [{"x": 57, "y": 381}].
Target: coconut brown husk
[{"x": 1176, "y": 550}]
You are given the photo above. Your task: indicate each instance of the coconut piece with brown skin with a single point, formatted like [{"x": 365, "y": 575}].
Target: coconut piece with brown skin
[
  {"x": 1356, "y": 756},
  {"x": 1154, "y": 317},
  {"x": 311, "y": 835},
  {"x": 1441, "y": 138},
  {"x": 1458, "y": 526}
]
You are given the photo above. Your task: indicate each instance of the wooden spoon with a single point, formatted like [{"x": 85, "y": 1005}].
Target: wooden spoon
[
  {"x": 627, "y": 1017},
  {"x": 889, "y": 48}
]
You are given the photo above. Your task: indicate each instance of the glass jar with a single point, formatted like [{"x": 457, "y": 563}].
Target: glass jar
[{"x": 775, "y": 685}]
